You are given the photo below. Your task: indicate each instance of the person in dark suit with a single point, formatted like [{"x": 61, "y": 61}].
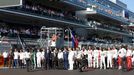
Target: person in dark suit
[
  {"x": 55, "y": 58},
  {"x": 47, "y": 58},
  {"x": 65, "y": 59}
]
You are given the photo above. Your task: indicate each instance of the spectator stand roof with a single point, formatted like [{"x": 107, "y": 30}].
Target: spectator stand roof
[{"x": 10, "y": 3}]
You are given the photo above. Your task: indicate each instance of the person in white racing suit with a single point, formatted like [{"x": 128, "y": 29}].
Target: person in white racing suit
[
  {"x": 115, "y": 57},
  {"x": 96, "y": 57},
  {"x": 71, "y": 56},
  {"x": 102, "y": 59},
  {"x": 109, "y": 58},
  {"x": 90, "y": 55},
  {"x": 38, "y": 55}
]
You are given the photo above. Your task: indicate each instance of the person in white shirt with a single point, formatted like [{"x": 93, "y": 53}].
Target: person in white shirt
[
  {"x": 102, "y": 59},
  {"x": 90, "y": 55},
  {"x": 129, "y": 56},
  {"x": 71, "y": 56},
  {"x": 78, "y": 53},
  {"x": 42, "y": 57},
  {"x": 27, "y": 54},
  {"x": 115, "y": 57},
  {"x": 24, "y": 57},
  {"x": 38, "y": 55},
  {"x": 5, "y": 56},
  {"x": 122, "y": 55},
  {"x": 21, "y": 58},
  {"x": 78, "y": 56},
  {"x": 109, "y": 58},
  {"x": 84, "y": 51},
  {"x": 95, "y": 60},
  {"x": 27, "y": 58},
  {"x": 16, "y": 56},
  {"x": 60, "y": 59}
]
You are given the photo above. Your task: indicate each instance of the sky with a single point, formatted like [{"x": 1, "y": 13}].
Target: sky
[{"x": 130, "y": 4}]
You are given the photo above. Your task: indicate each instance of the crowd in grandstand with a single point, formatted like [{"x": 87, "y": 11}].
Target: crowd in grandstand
[
  {"x": 29, "y": 31},
  {"x": 69, "y": 58},
  {"x": 105, "y": 40},
  {"x": 51, "y": 12},
  {"x": 109, "y": 27},
  {"x": 101, "y": 5}
]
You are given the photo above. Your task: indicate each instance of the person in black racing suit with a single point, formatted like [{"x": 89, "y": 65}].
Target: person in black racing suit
[{"x": 84, "y": 64}]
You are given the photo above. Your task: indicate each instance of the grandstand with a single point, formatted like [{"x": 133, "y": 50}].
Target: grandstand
[{"x": 94, "y": 22}]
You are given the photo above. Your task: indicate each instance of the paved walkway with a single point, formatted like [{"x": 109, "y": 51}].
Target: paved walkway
[{"x": 63, "y": 72}]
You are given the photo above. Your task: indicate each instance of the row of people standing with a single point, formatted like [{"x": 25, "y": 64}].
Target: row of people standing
[
  {"x": 68, "y": 59},
  {"x": 109, "y": 58},
  {"x": 46, "y": 58},
  {"x": 16, "y": 58}
]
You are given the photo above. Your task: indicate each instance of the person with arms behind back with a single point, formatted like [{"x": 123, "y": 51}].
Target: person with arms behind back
[
  {"x": 5, "y": 56},
  {"x": 16, "y": 56},
  {"x": 71, "y": 56},
  {"x": 122, "y": 56}
]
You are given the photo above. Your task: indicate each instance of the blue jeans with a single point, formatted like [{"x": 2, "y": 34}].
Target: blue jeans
[
  {"x": 65, "y": 64},
  {"x": 15, "y": 63}
]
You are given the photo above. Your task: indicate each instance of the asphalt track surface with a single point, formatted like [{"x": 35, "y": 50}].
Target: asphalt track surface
[{"x": 63, "y": 72}]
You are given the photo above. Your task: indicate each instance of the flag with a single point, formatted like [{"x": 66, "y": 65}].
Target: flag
[
  {"x": 76, "y": 43},
  {"x": 74, "y": 40}
]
